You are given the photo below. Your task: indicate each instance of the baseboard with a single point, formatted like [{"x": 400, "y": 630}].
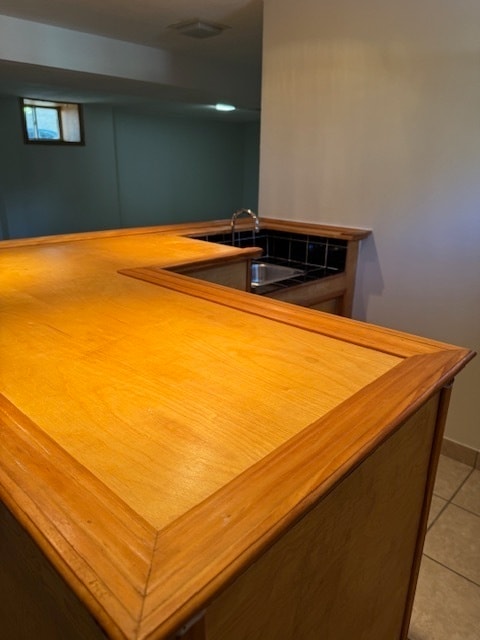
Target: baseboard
[{"x": 461, "y": 452}]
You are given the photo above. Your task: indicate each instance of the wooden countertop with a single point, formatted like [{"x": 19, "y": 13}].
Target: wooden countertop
[{"x": 158, "y": 434}]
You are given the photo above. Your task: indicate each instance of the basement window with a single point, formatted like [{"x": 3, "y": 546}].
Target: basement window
[{"x": 47, "y": 122}]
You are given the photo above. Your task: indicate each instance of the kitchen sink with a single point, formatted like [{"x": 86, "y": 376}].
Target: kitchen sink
[{"x": 265, "y": 273}]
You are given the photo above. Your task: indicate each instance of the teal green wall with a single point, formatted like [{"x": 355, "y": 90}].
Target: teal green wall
[
  {"x": 133, "y": 170},
  {"x": 251, "y": 160}
]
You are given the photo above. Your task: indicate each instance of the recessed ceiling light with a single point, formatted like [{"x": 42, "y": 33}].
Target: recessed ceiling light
[{"x": 224, "y": 107}]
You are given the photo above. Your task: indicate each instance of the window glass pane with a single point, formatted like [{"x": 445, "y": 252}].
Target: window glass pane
[{"x": 48, "y": 126}]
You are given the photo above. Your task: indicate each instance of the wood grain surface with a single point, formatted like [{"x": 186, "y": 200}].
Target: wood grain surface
[{"x": 158, "y": 431}]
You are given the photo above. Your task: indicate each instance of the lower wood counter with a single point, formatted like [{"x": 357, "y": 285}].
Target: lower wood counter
[{"x": 180, "y": 459}]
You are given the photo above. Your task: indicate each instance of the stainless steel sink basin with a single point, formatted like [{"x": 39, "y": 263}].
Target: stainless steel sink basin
[{"x": 264, "y": 273}]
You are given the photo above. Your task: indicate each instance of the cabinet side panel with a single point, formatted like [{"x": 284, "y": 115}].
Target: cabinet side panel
[
  {"x": 233, "y": 275},
  {"x": 36, "y": 603},
  {"x": 344, "y": 570}
]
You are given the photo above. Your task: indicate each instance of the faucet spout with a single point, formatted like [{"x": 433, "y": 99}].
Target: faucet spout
[{"x": 247, "y": 212}]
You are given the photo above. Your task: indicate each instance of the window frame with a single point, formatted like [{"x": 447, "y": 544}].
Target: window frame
[{"x": 53, "y": 104}]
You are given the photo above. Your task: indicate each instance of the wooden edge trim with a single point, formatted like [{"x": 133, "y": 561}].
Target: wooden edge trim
[
  {"x": 176, "y": 229},
  {"x": 98, "y": 544},
  {"x": 186, "y": 228},
  {"x": 186, "y": 266},
  {"x": 352, "y": 331},
  {"x": 318, "y": 229},
  {"x": 238, "y": 523},
  {"x": 351, "y": 274}
]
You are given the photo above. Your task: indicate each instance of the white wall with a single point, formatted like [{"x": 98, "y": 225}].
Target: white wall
[{"x": 371, "y": 118}]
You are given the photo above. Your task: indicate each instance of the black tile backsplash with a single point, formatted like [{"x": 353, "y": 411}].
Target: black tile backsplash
[
  {"x": 317, "y": 253},
  {"x": 336, "y": 257},
  {"x": 311, "y": 251},
  {"x": 298, "y": 251},
  {"x": 278, "y": 247}
]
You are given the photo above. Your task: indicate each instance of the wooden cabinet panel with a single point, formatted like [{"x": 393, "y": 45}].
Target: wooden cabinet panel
[
  {"x": 326, "y": 294},
  {"x": 328, "y": 306},
  {"x": 343, "y": 571},
  {"x": 36, "y": 603},
  {"x": 230, "y": 271},
  {"x": 235, "y": 275}
]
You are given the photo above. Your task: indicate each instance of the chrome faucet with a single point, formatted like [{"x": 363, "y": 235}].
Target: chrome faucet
[{"x": 239, "y": 213}]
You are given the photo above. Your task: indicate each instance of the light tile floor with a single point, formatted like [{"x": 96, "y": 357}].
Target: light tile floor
[{"x": 447, "y": 601}]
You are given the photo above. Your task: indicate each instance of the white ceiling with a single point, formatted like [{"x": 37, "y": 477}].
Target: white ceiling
[{"x": 235, "y": 52}]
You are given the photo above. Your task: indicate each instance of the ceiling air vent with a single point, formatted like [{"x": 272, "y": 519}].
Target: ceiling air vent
[{"x": 198, "y": 28}]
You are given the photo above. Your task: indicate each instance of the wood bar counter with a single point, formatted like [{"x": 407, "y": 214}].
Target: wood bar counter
[{"x": 183, "y": 459}]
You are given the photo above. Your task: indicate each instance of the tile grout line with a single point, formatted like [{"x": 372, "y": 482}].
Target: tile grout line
[
  {"x": 462, "y": 483},
  {"x": 450, "y": 501},
  {"x": 459, "y": 506},
  {"x": 460, "y": 575},
  {"x": 447, "y": 503},
  {"x": 472, "y": 469},
  {"x": 438, "y": 514}
]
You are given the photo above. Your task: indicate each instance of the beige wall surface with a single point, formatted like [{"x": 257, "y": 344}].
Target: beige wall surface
[{"x": 371, "y": 118}]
